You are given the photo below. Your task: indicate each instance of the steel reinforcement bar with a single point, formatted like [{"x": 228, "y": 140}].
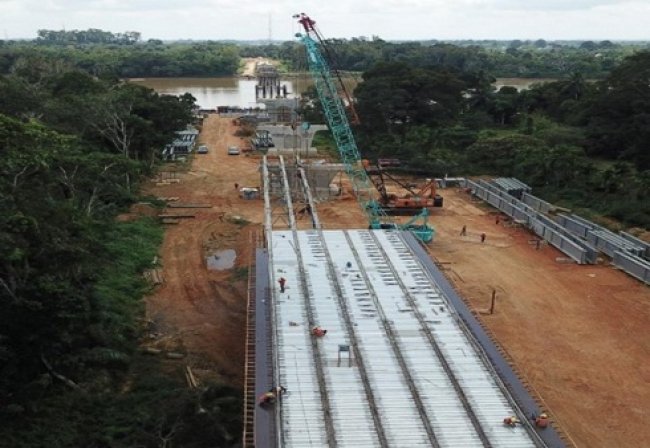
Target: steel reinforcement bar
[
  {"x": 393, "y": 342},
  {"x": 310, "y": 199},
  {"x": 318, "y": 360},
  {"x": 495, "y": 357},
  {"x": 436, "y": 348},
  {"x": 349, "y": 326},
  {"x": 268, "y": 229}
]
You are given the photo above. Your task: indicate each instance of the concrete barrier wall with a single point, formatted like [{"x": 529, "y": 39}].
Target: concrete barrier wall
[
  {"x": 537, "y": 203},
  {"x": 635, "y": 266}
]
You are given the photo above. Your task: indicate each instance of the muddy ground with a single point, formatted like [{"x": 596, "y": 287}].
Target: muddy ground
[{"x": 578, "y": 334}]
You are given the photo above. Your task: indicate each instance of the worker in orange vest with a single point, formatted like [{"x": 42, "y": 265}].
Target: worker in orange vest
[
  {"x": 511, "y": 421},
  {"x": 267, "y": 398},
  {"x": 318, "y": 332},
  {"x": 542, "y": 421}
]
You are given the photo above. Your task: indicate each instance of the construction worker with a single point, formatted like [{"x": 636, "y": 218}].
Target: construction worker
[
  {"x": 282, "y": 281},
  {"x": 318, "y": 332},
  {"x": 511, "y": 421},
  {"x": 542, "y": 421},
  {"x": 267, "y": 398},
  {"x": 272, "y": 395},
  {"x": 483, "y": 236},
  {"x": 463, "y": 231},
  {"x": 279, "y": 390}
]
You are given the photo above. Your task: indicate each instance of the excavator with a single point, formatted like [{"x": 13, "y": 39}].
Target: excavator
[{"x": 412, "y": 203}]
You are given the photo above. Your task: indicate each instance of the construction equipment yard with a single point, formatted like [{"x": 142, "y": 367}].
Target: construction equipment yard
[{"x": 576, "y": 335}]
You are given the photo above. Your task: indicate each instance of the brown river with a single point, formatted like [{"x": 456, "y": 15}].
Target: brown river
[{"x": 234, "y": 91}]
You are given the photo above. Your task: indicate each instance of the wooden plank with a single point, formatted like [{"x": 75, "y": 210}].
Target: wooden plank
[
  {"x": 178, "y": 216},
  {"x": 189, "y": 205}
]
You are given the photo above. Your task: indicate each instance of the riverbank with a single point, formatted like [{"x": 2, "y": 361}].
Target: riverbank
[{"x": 239, "y": 91}]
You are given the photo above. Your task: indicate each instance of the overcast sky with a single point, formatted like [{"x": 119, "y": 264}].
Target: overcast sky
[{"x": 388, "y": 19}]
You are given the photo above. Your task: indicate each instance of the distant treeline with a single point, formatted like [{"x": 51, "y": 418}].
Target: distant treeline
[
  {"x": 125, "y": 55},
  {"x": 528, "y": 59},
  {"x": 90, "y": 36},
  {"x": 150, "y": 59}
]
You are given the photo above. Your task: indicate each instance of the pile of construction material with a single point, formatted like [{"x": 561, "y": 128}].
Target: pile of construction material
[
  {"x": 512, "y": 186},
  {"x": 579, "y": 238},
  {"x": 182, "y": 145},
  {"x": 579, "y": 251},
  {"x": 627, "y": 252}
]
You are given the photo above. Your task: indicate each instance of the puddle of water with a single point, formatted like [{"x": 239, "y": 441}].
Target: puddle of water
[{"x": 221, "y": 260}]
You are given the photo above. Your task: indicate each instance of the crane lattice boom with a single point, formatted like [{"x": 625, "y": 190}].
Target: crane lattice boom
[{"x": 339, "y": 125}]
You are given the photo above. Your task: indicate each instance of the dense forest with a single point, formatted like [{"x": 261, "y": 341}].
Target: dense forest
[
  {"x": 74, "y": 149},
  {"x": 529, "y": 59},
  {"x": 125, "y": 55}
]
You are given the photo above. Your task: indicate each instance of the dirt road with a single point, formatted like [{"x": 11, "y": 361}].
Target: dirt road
[
  {"x": 196, "y": 310},
  {"x": 578, "y": 334}
]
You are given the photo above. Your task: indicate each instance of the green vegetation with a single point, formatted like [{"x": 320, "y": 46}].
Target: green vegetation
[
  {"x": 324, "y": 141},
  {"x": 444, "y": 121},
  {"x": 102, "y": 53},
  {"x": 157, "y": 410},
  {"x": 73, "y": 151},
  {"x": 528, "y": 59},
  {"x": 240, "y": 273},
  {"x": 121, "y": 56}
]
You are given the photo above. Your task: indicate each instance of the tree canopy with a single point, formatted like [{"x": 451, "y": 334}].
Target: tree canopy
[
  {"x": 73, "y": 149},
  {"x": 576, "y": 141}
]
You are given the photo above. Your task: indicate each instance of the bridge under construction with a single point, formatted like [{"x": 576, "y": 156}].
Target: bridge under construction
[{"x": 403, "y": 363}]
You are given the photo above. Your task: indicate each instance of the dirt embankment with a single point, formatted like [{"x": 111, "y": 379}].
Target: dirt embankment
[{"x": 249, "y": 65}]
